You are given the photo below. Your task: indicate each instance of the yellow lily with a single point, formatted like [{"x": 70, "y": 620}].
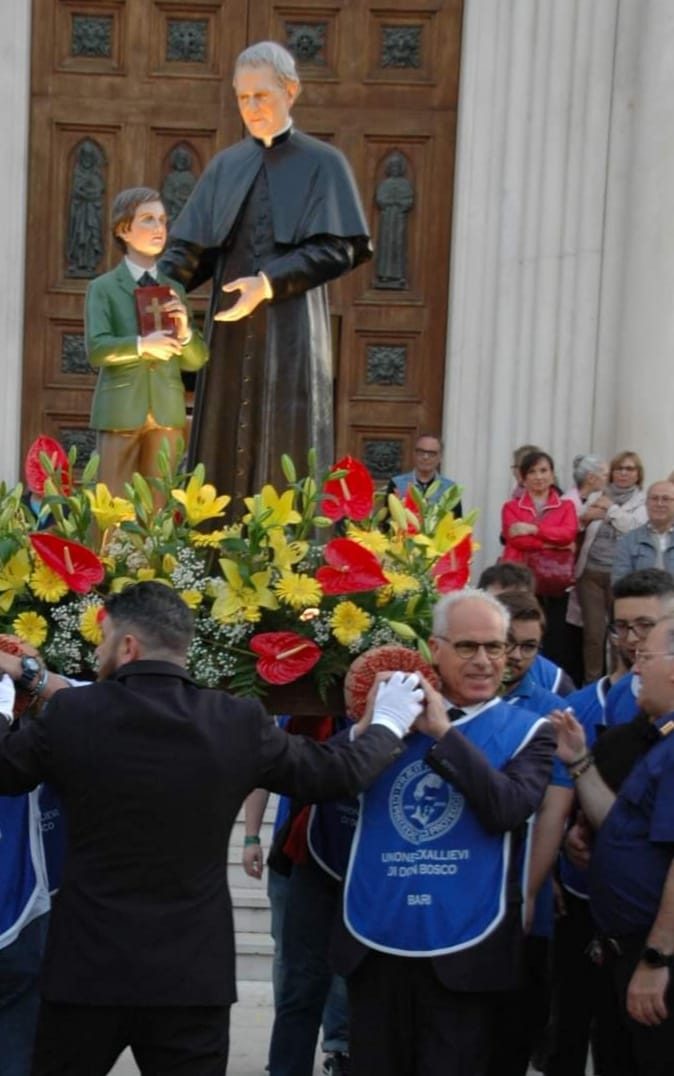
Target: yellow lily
[
  {"x": 280, "y": 508},
  {"x": 13, "y": 578},
  {"x": 286, "y": 553},
  {"x": 109, "y": 511},
  {"x": 239, "y": 600},
  {"x": 200, "y": 501}
]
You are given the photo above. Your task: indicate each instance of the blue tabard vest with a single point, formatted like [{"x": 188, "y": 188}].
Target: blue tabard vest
[
  {"x": 424, "y": 877},
  {"x": 53, "y": 834},
  {"x": 23, "y": 881}
]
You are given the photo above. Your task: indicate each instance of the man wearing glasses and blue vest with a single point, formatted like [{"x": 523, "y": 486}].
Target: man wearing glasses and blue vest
[{"x": 432, "y": 904}]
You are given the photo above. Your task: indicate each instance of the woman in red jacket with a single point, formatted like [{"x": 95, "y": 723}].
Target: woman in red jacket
[{"x": 537, "y": 521}]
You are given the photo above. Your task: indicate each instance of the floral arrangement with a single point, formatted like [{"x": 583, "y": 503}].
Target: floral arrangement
[{"x": 305, "y": 580}]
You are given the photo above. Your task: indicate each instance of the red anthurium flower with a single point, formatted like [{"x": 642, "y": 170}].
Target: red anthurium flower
[
  {"x": 351, "y": 568},
  {"x": 284, "y": 655},
  {"x": 34, "y": 470},
  {"x": 78, "y": 566},
  {"x": 452, "y": 570},
  {"x": 351, "y": 496}
]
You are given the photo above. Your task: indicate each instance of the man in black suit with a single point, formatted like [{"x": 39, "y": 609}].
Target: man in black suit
[{"x": 152, "y": 771}]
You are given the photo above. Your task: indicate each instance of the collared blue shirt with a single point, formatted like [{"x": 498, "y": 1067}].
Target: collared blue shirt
[
  {"x": 634, "y": 846},
  {"x": 621, "y": 701},
  {"x": 529, "y": 695},
  {"x": 588, "y": 706}
]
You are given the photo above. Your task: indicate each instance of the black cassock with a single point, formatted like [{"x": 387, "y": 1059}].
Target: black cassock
[{"x": 293, "y": 212}]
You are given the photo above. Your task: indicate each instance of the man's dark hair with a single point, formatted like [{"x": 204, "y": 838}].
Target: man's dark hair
[
  {"x": 155, "y": 614},
  {"x": 507, "y": 574},
  {"x": 124, "y": 207},
  {"x": 645, "y": 583},
  {"x": 522, "y": 605}
]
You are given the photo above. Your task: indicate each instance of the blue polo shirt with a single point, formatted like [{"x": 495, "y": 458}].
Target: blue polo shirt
[
  {"x": 588, "y": 705},
  {"x": 634, "y": 846},
  {"x": 550, "y": 676},
  {"x": 529, "y": 695},
  {"x": 621, "y": 701}
]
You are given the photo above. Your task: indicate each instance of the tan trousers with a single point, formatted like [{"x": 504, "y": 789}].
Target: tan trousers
[
  {"x": 593, "y": 590},
  {"x": 124, "y": 451}
]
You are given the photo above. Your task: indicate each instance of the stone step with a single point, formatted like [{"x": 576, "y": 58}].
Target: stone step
[
  {"x": 254, "y": 954},
  {"x": 251, "y": 911}
]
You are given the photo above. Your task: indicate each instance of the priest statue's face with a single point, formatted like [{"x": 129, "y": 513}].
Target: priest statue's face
[{"x": 264, "y": 102}]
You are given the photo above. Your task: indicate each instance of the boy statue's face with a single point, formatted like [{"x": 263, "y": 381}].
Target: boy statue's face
[{"x": 146, "y": 235}]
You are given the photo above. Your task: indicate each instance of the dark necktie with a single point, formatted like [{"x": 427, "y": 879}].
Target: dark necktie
[
  {"x": 147, "y": 281},
  {"x": 455, "y": 712}
]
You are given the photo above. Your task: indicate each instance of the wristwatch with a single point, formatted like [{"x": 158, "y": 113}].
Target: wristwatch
[
  {"x": 655, "y": 958},
  {"x": 30, "y": 669}
]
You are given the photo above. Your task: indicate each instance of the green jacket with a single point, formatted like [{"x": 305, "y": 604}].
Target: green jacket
[{"x": 130, "y": 387}]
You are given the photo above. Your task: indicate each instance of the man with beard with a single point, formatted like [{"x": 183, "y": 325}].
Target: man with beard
[{"x": 152, "y": 771}]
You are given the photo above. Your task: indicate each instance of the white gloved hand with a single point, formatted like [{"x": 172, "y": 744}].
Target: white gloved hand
[
  {"x": 398, "y": 703},
  {"x": 7, "y": 695}
]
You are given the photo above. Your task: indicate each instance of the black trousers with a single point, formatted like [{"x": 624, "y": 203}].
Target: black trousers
[
  {"x": 521, "y": 1016},
  {"x": 404, "y": 1022},
  {"x": 584, "y": 1003},
  {"x": 652, "y": 1047},
  {"x": 86, "y": 1040}
]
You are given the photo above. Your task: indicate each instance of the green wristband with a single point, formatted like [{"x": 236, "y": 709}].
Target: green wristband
[{"x": 251, "y": 840}]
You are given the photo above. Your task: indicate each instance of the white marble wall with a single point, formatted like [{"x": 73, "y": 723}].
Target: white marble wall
[
  {"x": 14, "y": 94},
  {"x": 559, "y": 325}
]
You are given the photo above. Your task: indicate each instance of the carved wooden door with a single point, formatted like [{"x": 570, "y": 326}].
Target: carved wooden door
[{"x": 128, "y": 92}]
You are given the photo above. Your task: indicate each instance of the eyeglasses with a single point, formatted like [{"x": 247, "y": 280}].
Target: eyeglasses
[
  {"x": 427, "y": 451},
  {"x": 526, "y": 649},
  {"x": 467, "y": 648},
  {"x": 640, "y": 628},
  {"x": 644, "y": 656},
  {"x": 659, "y": 500}
]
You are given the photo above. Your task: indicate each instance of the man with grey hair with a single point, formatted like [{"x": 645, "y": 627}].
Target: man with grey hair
[
  {"x": 632, "y": 861},
  {"x": 271, "y": 221},
  {"x": 652, "y": 544},
  {"x": 432, "y": 904}
]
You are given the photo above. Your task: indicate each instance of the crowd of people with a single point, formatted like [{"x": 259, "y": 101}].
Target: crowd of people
[
  {"x": 477, "y": 870},
  {"x": 464, "y": 897}
]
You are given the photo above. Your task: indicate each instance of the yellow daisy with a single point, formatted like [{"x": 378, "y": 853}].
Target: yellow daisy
[
  {"x": 46, "y": 584},
  {"x": 211, "y": 539},
  {"x": 31, "y": 627},
  {"x": 402, "y": 583},
  {"x": 349, "y": 623},
  {"x": 298, "y": 590},
  {"x": 90, "y": 625},
  {"x": 374, "y": 540}
]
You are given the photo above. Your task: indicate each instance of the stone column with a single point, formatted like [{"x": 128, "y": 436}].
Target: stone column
[
  {"x": 528, "y": 235},
  {"x": 634, "y": 405},
  {"x": 15, "y": 97}
]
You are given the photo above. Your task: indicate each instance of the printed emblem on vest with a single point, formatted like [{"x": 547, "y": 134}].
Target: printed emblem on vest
[{"x": 422, "y": 806}]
